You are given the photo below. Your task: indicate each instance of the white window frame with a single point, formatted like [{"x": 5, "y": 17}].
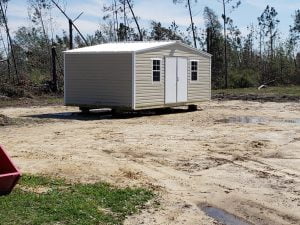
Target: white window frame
[
  {"x": 152, "y": 60},
  {"x": 191, "y": 61}
]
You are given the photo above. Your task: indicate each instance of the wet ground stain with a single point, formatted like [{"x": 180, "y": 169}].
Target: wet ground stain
[
  {"x": 257, "y": 120},
  {"x": 222, "y": 216}
]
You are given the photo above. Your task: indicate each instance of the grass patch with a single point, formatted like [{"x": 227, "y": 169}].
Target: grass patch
[
  {"x": 64, "y": 203},
  {"x": 29, "y": 102},
  {"x": 8, "y": 121},
  {"x": 273, "y": 91}
]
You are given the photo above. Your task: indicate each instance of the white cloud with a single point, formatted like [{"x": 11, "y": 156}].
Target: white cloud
[
  {"x": 261, "y": 4},
  {"x": 16, "y": 23},
  {"x": 279, "y": 4},
  {"x": 159, "y": 10},
  {"x": 165, "y": 12},
  {"x": 17, "y": 9},
  {"x": 18, "y": 15},
  {"x": 92, "y": 8},
  {"x": 87, "y": 26}
]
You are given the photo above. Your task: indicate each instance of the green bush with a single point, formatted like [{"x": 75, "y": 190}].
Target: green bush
[
  {"x": 37, "y": 77},
  {"x": 243, "y": 78},
  {"x": 11, "y": 91}
]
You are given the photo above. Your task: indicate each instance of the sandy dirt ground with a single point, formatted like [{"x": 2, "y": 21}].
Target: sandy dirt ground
[{"x": 251, "y": 170}]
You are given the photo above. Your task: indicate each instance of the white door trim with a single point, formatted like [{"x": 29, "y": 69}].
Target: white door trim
[
  {"x": 170, "y": 80},
  {"x": 173, "y": 76},
  {"x": 182, "y": 79}
]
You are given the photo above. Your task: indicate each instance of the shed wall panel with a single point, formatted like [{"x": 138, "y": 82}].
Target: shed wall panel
[
  {"x": 150, "y": 93},
  {"x": 98, "y": 79}
]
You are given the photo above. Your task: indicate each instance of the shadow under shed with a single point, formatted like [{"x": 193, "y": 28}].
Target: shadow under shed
[{"x": 107, "y": 114}]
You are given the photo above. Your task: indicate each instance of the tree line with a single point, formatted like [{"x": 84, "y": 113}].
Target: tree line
[{"x": 32, "y": 56}]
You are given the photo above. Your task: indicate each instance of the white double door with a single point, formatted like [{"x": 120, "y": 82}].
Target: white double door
[{"x": 176, "y": 80}]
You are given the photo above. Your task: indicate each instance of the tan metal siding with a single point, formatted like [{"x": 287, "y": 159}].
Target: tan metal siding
[
  {"x": 98, "y": 79},
  {"x": 150, "y": 93}
]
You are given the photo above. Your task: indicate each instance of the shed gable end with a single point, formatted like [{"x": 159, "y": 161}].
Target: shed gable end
[
  {"x": 177, "y": 45},
  {"x": 150, "y": 93}
]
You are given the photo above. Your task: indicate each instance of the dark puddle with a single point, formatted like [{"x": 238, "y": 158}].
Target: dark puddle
[
  {"x": 257, "y": 120},
  {"x": 223, "y": 217}
]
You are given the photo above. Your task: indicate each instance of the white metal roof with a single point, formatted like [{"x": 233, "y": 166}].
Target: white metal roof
[
  {"x": 136, "y": 46},
  {"x": 122, "y": 47}
]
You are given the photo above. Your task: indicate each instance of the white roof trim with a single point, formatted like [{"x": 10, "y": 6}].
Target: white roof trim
[
  {"x": 183, "y": 45},
  {"x": 195, "y": 49},
  {"x": 122, "y": 47},
  {"x": 130, "y": 47},
  {"x": 155, "y": 47}
]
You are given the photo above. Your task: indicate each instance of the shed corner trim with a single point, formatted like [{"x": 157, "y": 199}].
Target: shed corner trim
[{"x": 133, "y": 104}]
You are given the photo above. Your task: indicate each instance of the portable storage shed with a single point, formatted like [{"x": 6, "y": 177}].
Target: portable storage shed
[{"x": 137, "y": 75}]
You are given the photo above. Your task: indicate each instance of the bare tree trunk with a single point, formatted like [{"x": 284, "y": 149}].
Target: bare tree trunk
[
  {"x": 114, "y": 33},
  {"x": 10, "y": 40},
  {"x": 70, "y": 34},
  {"x": 225, "y": 45},
  {"x": 43, "y": 26},
  {"x": 117, "y": 21},
  {"x": 45, "y": 37},
  {"x": 192, "y": 23},
  {"x": 272, "y": 37},
  {"x": 124, "y": 9},
  {"x": 76, "y": 28},
  {"x": 281, "y": 68},
  {"x": 260, "y": 43},
  {"x": 6, "y": 52},
  {"x": 251, "y": 46},
  {"x": 54, "y": 74},
  {"x": 271, "y": 44},
  {"x": 8, "y": 68},
  {"x": 136, "y": 22},
  {"x": 208, "y": 39}
]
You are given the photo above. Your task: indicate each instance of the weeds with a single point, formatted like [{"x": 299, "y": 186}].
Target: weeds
[{"x": 64, "y": 203}]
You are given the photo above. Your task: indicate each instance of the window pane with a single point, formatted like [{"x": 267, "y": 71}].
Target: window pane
[
  {"x": 156, "y": 67},
  {"x": 194, "y": 65},
  {"x": 156, "y": 70},
  {"x": 194, "y": 75},
  {"x": 156, "y": 75},
  {"x": 156, "y": 64}
]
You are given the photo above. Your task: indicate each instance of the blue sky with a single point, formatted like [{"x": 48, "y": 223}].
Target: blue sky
[{"x": 159, "y": 10}]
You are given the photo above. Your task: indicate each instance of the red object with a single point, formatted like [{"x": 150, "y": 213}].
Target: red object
[{"x": 9, "y": 174}]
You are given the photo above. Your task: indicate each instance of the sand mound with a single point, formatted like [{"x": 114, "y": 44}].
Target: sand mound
[{"x": 5, "y": 120}]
